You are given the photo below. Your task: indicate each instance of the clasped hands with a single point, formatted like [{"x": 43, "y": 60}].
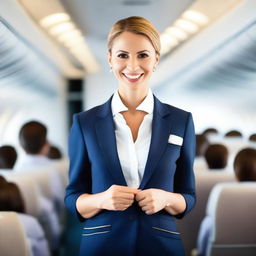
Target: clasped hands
[{"x": 119, "y": 198}]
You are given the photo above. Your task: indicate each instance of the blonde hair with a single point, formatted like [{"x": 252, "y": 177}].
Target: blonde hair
[{"x": 137, "y": 25}]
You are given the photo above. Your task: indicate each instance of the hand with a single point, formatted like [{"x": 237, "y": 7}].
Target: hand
[
  {"x": 118, "y": 198},
  {"x": 152, "y": 200}
]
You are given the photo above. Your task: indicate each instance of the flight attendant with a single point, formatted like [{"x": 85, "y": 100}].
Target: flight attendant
[{"x": 131, "y": 159}]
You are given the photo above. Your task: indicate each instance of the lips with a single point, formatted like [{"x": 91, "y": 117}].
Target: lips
[{"x": 133, "y": 77}]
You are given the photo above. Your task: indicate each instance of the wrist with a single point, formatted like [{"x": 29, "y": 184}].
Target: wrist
[
  {"x": 99, "y": 202},
  {"x": 169, "y": 200}
]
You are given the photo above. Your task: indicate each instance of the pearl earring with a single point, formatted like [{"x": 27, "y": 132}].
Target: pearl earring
[
  {"x": 154, "y": 69},
  {"x": 110, "y": 69}
]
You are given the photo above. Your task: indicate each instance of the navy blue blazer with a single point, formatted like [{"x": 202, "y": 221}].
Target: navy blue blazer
[{"x": 95, "y": 166}]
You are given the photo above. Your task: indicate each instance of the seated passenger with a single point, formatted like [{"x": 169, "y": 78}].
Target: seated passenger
[
  {"x": 33, "y": 139},
  {"x": 48, "y": 217},
  {"x": 54, "y": 153},
  {"x": 8, "y": 157},
  {"x": 210, "y": 131},
  {"x": 233, "y": 133},
  {"x": 216, "y": 156},
  {"x": 11, "y": 200},
  {"x": 201, "y": 145},
  {"x": 253, "y": 137},
  {"x": 245, "y": 170}
]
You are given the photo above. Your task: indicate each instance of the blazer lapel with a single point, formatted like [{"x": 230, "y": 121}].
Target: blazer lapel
[
  {"x": 159, "y": 140},
  {"x": 105, "y": 130}
]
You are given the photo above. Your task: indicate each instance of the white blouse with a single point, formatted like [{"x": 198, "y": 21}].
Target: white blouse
[{"x": 133, "y": 155}]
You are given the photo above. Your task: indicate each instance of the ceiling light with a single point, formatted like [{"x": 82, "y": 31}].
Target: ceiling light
[
  {"x": 186, "y": 25},
  {"x": 61, "y": 28},
  {"x": 74, "y": 42},
  {"x": 53, "y": 19},
  {"x": 196, "y": 17},
  {"x": 168, "y": 42},
  {"x": 168, "y": 39},
  {"x": 69, "y": 35},
  {"x": 178, "y": 33}
]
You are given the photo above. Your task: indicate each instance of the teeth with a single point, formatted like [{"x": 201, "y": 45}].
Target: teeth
[{"x": 132, "y": 76}]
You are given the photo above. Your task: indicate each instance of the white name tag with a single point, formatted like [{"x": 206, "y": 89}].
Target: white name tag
[{"x": 174, "y": 139}]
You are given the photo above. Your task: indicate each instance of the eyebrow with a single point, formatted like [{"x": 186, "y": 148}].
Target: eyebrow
[{"x": 137, "y": 52}]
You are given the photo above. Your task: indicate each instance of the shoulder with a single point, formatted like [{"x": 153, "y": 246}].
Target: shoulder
[
  {"x": 172, "y": 111},
  {"x": 31, "y": 226}
]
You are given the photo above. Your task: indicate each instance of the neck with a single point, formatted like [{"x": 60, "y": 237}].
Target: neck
[{"x": 132, "y": 99}]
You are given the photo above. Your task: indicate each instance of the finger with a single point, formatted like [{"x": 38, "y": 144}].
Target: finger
[
  {"x": 121, "y": 207},
  {"x": 130, "y": 190},
  {"x": 123, "y": 201},
  {"x": 145, "y": 201},
  {"x": 147, "y": 209},
  {"x": 141, "y": 195},
  {"x": 123, "y": 195}
]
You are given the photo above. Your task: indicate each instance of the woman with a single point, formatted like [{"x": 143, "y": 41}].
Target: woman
[{"x": 131, "y": 158}]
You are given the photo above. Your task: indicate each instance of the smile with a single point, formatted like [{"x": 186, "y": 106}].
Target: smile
[{"x": 133, "y": 78}]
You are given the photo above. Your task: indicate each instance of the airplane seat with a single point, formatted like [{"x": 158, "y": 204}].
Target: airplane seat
[
  {"x": 61, "y": 167},
  {"x": 29, "y": 191},
  {"x": 13, "y": 241},
  {"x": 189, "y": 225},
  {"x": 232, "y": 207}
]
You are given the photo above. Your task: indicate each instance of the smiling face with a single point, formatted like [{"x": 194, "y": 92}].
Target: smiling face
[{"x": 132, "y": 59}]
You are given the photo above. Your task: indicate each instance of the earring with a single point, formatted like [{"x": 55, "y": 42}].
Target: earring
[
  {"x": 110, "y": 69},
  {"x": 154, "y": 69}
]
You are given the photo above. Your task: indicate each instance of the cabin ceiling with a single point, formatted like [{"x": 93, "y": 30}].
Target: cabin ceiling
[{"x": 95, "y": 18}]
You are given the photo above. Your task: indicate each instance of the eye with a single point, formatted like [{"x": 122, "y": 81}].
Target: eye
[
  {"x": 143, "y": 55},
  {"x": 122, "y": 55}
]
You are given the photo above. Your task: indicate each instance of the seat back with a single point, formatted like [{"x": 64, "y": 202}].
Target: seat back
[
  {"x": 61, "y": 167},
  {"x": 13, "y": 241},
  {"x": 232, "y": 207},
  {"x": 189, "y": 225}
]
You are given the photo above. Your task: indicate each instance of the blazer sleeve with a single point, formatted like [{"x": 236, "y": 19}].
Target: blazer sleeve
[
  {"x": 79, "y": 168},
  {"x": 184, "y": 180}
]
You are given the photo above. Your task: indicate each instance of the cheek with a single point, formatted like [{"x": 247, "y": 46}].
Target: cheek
[
  {"x": 118, "y": 63},
  {"x": 149, "y": 65}
]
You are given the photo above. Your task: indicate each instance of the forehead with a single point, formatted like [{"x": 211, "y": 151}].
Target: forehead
[{"x": 130, "y": 42}]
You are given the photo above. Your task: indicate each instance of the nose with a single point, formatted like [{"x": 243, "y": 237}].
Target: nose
[{"x": 133, "y": 64}]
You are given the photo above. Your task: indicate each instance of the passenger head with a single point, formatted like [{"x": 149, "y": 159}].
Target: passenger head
[
  {"x": 201, "y": 144},
  {"x": 11, "y": 198},
  {"x": 233, "y": 133},
  {"x": 210, "y": 131},
  {"x": 252, "y": 137},
  {"x": 54, "y": 153},
  {"x": 137, "y": 25},
  {"x": 245, "y": 165},
  {"x": 216, "y": 156},
  {"x": 2, "y": 181},
  {"x": 33, "y": 138},
  {"x": 8, "y": 157}
]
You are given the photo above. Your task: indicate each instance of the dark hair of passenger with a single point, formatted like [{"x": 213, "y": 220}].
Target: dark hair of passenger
[
  {"x": 33, "y": 136},
  {"x": 233, "y": 133},
  {"x": 210, "y": 130},
  {"x": 8, "y": 157},
  {"x": 216, "y": 156},
  {"x": 11, "y": 198},
  {"x": 201, "y": 144},
  {"x": 252, "y": 137},
  {"x": 2, "y": 181},
  {"x": 54, "y": 153},
  {"x": 245, "y": 164}
]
